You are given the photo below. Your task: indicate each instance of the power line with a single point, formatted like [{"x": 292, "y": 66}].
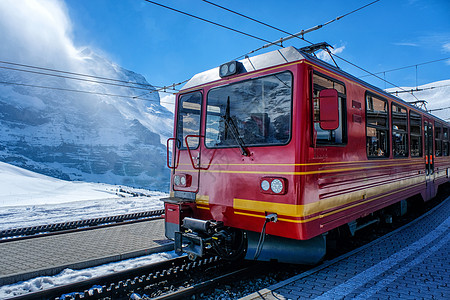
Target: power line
[
  {"x": 303, "y": 32},
  {"x": 80, "y": 91},
  {"x": 73, "y": 73},
  {"x": 247, "y": 17},
  {"x": 407, "y": 67},
  {"x": 418, "y": 90},
  {"x": 290, "y": 35},
  {"x": 79, "y": 74},
  {"x": 74, "y": 78},
  {"x": 162, "y": 89},
  {"x": 356, "y": 66},
  {"x": 211, "y": 22},
  {"x": 436, "y": 109}
]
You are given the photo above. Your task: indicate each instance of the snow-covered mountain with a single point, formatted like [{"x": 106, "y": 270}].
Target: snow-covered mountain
[{"x": 85, "y": 136}]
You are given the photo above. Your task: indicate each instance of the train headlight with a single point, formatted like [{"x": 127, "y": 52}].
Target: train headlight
[
  {"x": 230, "y": 68},
  {"x": 265, "y": 185},
  {"x": 273, "y": 185},
  {"x": 276, "y": 186},
  {"x": 177, "y": 180},
  {"x": 182, "y": 180}
]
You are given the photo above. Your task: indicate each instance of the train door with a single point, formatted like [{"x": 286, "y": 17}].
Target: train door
[
  {"x": 186, "y": 160},
  {"x": 429, "y": 158}
]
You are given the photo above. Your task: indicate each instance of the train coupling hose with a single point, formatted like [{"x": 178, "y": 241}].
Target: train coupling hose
[{"x": 269, "y": 218}]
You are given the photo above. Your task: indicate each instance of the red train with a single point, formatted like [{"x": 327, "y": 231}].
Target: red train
[{"x": 273, "y": 152}]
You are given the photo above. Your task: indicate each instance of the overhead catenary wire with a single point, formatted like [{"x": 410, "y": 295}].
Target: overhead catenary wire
[
  {"x": 303, "y": 32},
  {"x": 77, "y": 74},
  {"x": 407, "y": 67},
  {"x": 437, "y": 109},
  {"x": 247, "y": 17},
  {"x": 212, "y": 22},
  {"x": 78, "y": 79},
  {"x": 80, "y": 91},
  {"x": 419, "y": 90},
  {"x": 290, "y": 35},
  {"x": 161, "y": 89}
]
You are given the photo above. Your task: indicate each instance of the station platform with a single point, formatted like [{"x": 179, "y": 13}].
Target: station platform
[
  {"x": 49, "y": 255},
  {"x": 409, "y": 263}
]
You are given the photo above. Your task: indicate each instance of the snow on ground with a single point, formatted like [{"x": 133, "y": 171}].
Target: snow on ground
[
  {"x": 30, "y": 199},
  {"x": 70, "y": 276}
]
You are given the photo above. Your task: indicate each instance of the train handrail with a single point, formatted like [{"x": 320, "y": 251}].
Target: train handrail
[{"x": 190, "y": 154}]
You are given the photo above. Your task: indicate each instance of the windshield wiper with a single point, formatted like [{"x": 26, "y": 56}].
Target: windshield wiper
[
  {"x": 234, "y": 132},
  {"x": 229, "y": 125}
]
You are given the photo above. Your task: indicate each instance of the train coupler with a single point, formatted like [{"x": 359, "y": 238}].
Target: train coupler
[{"x": 190, "y": 243}]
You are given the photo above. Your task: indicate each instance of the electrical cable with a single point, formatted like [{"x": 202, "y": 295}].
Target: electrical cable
[
  {"x": 419, "y": 90},
  {"x": 406, "y": 67},
  {"x": 162, "y": 89},
  {"x": 290, "y": 35},
  {"x": 211, "y": 22},
  {"x": 74, "y": 78},
  {"x": 79, "y": 91},
  {"x": 307, "y": 31},
  {"x": 437, "y": 109},
  {"x": 247, "y": 17},
  {"x": 74, "y": 73},
  {"x": 262, "y": 237}
]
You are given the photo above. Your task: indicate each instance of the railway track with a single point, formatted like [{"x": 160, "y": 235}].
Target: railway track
[
  {"x": 180, "y": 278},
  {"x": 58, "y": 228},
  {"x": 172, "y": 279}
]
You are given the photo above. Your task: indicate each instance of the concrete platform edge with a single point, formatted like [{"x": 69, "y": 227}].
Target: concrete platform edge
[{"x": 10, "y": 279}]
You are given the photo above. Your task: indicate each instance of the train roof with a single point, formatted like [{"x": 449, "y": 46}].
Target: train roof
[{"x": 280, "y": 57}]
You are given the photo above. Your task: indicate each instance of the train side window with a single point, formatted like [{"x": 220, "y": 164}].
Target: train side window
[
  {"x": 445, "y": 143},
  {"x": 438, "y": 139},
  {"x": 377, "y": 126},
  {"x": 415, "y": 128},
  {"x": 327, "y": 137},
  {"x": 399, "y": 131}
]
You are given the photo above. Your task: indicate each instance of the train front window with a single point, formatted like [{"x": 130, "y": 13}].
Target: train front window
[
  {"x": 253, "y": 112},
  {"x": 188, "y": 119}
]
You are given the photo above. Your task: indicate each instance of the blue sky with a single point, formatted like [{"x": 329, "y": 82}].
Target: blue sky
[{"x": 167, "y": 47}]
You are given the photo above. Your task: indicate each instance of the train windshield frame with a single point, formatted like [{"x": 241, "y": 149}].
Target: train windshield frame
[{"x": 254, "y": 112}]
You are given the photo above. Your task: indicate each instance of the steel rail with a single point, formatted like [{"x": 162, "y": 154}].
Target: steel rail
[
  {"x": 184, "y": 293},
  {"x": 37, "y": 231},
  {"x": 112, "y": 282}
]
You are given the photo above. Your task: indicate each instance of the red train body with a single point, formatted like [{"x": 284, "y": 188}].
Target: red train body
[{"x": 272, "y": 152}]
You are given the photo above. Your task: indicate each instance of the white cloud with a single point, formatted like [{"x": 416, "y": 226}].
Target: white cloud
[
  {"x": 446, "y": 47},
  {"x": 36, "y": 31},
  {"x": 407, "y": 44},
  {"x": 168, "y": 101},
  {"x": 40, "y": 33},
  {"x": 323, "y": 55}
]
